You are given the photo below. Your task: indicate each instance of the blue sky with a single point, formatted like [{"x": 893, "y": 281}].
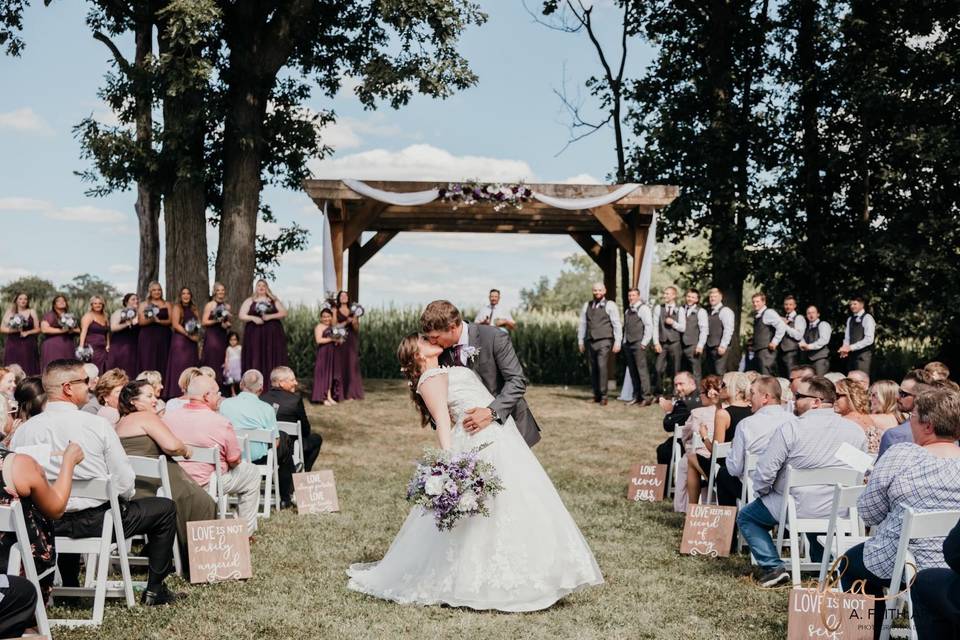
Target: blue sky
[{"x": 510, "y": 126}]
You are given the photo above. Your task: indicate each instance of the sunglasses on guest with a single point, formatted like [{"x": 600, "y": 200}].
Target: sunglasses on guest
[
  {"x": 801, "y": 396},
  {"x": 905, "y": 394}
]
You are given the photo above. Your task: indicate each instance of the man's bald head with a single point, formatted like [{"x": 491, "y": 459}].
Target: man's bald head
[
  {"x": 205, "y": 390},
  {"x": 860, "y": 377}
]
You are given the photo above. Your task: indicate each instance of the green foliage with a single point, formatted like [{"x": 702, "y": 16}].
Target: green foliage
[
  {"x": 37, "y": 288},
  {"x": 569, "y": 292},
  {"x": 11, "y": 24},
  {"x": 85, "y": 286}
]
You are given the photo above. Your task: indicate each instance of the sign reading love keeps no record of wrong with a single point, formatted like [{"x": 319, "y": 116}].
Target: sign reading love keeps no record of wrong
[
  {"x": 218, "y": 550},
  {"x": 648, "y": 482},
  {"x": 316, "y": 492},
  {"x": 708, "y": 530}
]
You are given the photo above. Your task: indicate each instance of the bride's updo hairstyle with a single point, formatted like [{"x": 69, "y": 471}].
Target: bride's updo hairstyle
[{"x": 412, "y": 368}]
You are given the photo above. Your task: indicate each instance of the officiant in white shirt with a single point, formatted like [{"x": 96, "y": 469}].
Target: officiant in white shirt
[{"x": 496, "y": 315}]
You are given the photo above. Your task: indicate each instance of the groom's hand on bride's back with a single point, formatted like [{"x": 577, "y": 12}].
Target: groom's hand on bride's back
[{"x": 476, "y": 419}]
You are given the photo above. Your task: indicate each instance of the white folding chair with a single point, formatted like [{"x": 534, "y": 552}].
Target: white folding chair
[
  {"x": 673, "y": 471},
  {"x": 719, "y": 451},
  {"x": 837, "y": 541},
  {"x": 155, "y": 469},
  {"x": 292, "y": 429},
  {"x": 793, "y": 525},
  {"x": 269, "y": 471},
  {"x": 916, "y": 524},
  {"x": 11, "y": 520},
  {"x": 99, "y": 548},
  {"x": 746, "y": 497},
  {"x": 211, "y": 456}
]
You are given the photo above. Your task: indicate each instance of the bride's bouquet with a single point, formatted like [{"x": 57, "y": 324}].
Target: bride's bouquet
[{"x": 454, "y": 485}]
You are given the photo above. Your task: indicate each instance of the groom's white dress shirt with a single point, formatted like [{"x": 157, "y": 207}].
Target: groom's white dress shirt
[
  {"x": 464, "y": 342},
  {"x": 62, "y": 423}
]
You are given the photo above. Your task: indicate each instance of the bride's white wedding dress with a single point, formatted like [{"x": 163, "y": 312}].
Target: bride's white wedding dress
[{"x": 525, "y": 556}]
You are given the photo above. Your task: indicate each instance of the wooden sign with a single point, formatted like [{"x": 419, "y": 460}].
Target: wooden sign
[
  {"x": 829, "y": 614},
  {"x": 708, "y": 530},
  {"x": 219, "y": 550},
  {"x": 648, "y": 482},
  {"x": 316, "y": 492}
]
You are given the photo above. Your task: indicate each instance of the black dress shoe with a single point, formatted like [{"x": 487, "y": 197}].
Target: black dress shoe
[
  {"x": 603, "y": 402},
  {"x": 286, "y": 504},
  {"x": 630, "y": 403},
  {"x": 159, "y": 597}
]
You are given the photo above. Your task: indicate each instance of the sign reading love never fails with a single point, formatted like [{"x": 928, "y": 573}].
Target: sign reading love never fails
[{"x": 648, "y": 482}]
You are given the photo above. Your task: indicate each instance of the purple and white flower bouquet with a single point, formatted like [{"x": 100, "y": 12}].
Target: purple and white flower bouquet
[
  {"x": 356, "y": 309},
  {"x": 17, "y": 322},
  {"x": 338, "y": 333},
  {"x": 68, "y": 321},
  {"x": 454, "y": 485},
  {"x": 84, "y": 353},
  {"x": 220, "y": 313},
  {"x": 262, "y": 308},
  {"x": 192, "y": 327},
  {"x": 127, "y": 314},
  {"x": 151, "y": 311}
]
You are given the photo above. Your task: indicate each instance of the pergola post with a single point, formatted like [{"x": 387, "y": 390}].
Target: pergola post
[
  {"x": 336, "y": 245},
  {"x": 353, "y": 271}
]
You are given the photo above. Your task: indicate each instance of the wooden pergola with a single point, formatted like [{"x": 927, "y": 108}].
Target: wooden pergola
[{"x": 623, "y": 223}]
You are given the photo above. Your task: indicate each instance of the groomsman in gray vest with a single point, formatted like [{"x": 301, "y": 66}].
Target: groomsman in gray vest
[
  {"x": 768, "y": 330},
  {"x": 788, "y": 352},
  {"x": 816, "y": 342},
  {"x": 858, "y": 337},
  {"x": 637, "y": 335},
  {"x": 669, "y": 322},
  {"x": 694, "y": 338},
  {"x": 599, "y": 333},
  {"x": 720, "y": 325}
]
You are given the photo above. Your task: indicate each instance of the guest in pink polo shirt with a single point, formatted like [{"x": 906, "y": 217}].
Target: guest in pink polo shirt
[{"x": 199, "y": 424}]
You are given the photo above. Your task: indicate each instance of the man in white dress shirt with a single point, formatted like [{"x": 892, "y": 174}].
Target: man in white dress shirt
[
  {"x": 599, "y": 333},
  {"x": 858, "y": 337},
  {"x": 720, "y": 325},
  {"x": 753, "y": 434},
  {"x": 694, "y": 336},
  {"x": 768, "y": 331},
  {"x": 788, "y": 351},
  {"x": 494, "y": 314},
  {"x": 816, "y": 342},
  {"x": 637, "y": 335},
  {"x": 808, "y": 441},
  {"x": 669, "y": 323},
  {"x": 65, "y": 384}
]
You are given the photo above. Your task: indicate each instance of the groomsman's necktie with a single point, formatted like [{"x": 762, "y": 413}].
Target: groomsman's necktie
[{"x": 457, "y": 350}]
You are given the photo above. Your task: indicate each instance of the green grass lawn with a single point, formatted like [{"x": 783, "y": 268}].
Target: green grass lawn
[{"x": 298, "y": 589}]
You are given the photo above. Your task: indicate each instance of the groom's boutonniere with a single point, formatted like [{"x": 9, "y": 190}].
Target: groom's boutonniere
[{"x": 471, "y": 353}]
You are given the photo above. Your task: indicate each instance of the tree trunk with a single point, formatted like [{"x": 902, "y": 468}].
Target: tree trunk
[{"x": 147, "y": 206}]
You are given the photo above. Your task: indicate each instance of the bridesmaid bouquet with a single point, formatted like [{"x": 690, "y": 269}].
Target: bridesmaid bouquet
[
  {"x": 262, "y": 308},
  {"x": 68, "y": 321},
  {"x": 220, "y": 313},
  {"x": 356, "y": 310},
  {"x": 17, "y": 322},
  {"x": 192, "y": 327},
  {"x": 338, "y": 333},
  {"x": 151, "y": 311},
  {"x": 84, "y": 353},
  {"x": 454, "y": 485},
  {"x": 128, "y": 314}
]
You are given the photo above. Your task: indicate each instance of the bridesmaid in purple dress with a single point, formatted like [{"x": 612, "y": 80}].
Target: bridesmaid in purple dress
[
  {"x": 59, "y": 328},
  {"x": 326, "y": 371},
  {"x": 264, "y": 340},
  {"x": 95, "y": 332},
  {"x": 21, "y": 326},
  {"x": 216, "y": 324},
  {"x": 124, "y": 334},
  {"x": 153, "y": 344},
  {"x": 185, "y": 343},
  {"x": 344, "y": 317}
]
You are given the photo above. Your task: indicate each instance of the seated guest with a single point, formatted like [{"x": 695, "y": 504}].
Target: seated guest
[
  {"x": 199, "y": 424},
  {"x": 108, "y": 394},
  {"x": 143, "y": 433},
  {"x": 156, "y": 381},
  {"x": 688, "y": 476},
  {"x": 808, "y": 441},
  {"x": 8, "y": 382},
  {"x": 936, "y": 595},
  {"x": 6, "y": 417},
  {"x": 284, "y": 397},
  {"x": 29, "y": 400},
  {"x": 834, "y": 377},
  {"x": 22, "y": 479},
  {"x": 677, "y": 411},
  {"x": 246, "y": 411},
  {"x": 853, "y": 404},
  {"x": 753, "y": 434},
  {"x": 914, "y": 382},
  {"x": 860, "y": 377},
  {"x": 937, "y": 371},
  {"x": 65, "y": 384},
  {"x": 93, "y": 375},
  {"x": 883, "y": 404},
  {"x": 923, "y": 474},
  {"x": 183, "y": 382},
  {"x": 735, "y": 406}
]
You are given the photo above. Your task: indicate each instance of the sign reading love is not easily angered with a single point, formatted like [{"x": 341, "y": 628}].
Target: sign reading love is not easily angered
[{"x": 218, "y": 550}]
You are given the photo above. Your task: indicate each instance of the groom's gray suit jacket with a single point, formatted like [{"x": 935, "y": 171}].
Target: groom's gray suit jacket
[{"x": 499, "y": 368}]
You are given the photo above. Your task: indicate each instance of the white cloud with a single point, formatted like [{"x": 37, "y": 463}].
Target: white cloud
[
  {"x": 420, "y": 162},
  {"x": 24, "y": 204},
  {"x": 313, "y": 255},
  {"x": 582, "y": 178},
  {"x": 25, "y": 120},
  {"x": 12, "y": 273},
  {"x": 120, "y": 269},
  {"x": 86, "y": 213}
]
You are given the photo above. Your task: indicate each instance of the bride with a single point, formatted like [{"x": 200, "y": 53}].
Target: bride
[{"x": 525, "y": 556}]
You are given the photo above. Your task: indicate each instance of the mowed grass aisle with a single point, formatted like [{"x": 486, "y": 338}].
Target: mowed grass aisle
[{"x": 299, "y": 588}]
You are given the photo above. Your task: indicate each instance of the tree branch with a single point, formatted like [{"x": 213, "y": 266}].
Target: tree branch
[
  {"x": 122, "y": 62},
  {"x": 560, "y": 25}
]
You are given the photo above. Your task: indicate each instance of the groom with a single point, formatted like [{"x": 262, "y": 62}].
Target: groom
[{"x": 488, "y": 352}]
